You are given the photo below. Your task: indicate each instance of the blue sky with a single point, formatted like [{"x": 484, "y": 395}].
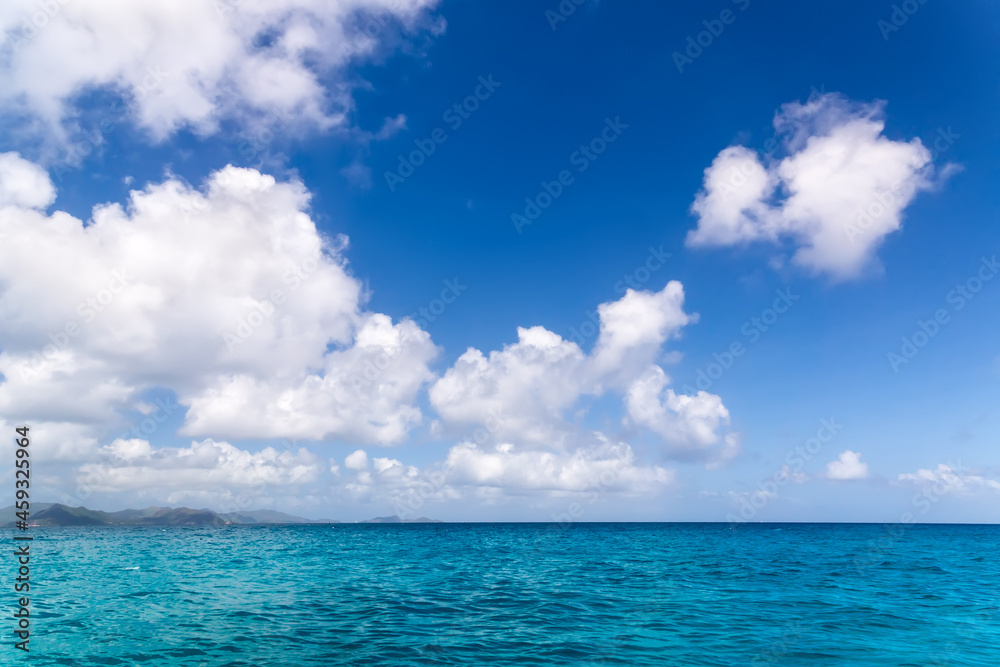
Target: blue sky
[{"x": 555, "y": 87}]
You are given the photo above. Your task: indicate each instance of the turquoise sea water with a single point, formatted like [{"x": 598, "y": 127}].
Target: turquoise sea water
[{"x": 505, "y": 594}]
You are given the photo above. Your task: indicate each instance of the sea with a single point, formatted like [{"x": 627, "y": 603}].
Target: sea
[{"x": 509, "y": 594}]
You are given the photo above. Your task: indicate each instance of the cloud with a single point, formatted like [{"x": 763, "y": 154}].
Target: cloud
[
  {"x": 634, "y": 328},
  {"x": 525, "y": 388},
  {"x": 211, "y": 471},
  {"x": 839, "y": 191},
  {"x": 689, "y": 425},
  {"x": 522, "y": 392},
  {"x": 184, "y": 64},
  {"x": 947, "y": 479},
  {"x": 391, "y": 127},
  {"x": 491, "y": 473},
  {"x": 605, "y": 466},
  {"x": 391, "y": 483},
  {"x": 258, "y": 327},
  {"x": 357, "y": 460},
  {"x": 259, "y": 331},
  {"x": 847, "y": 466},
  {"x": 24, "y": 184},
  {"x": 365, "y": 393},
  {"x": 58, "y": 441}
]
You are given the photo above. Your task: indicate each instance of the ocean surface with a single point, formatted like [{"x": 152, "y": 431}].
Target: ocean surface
[{"x": 510, "y": 594}]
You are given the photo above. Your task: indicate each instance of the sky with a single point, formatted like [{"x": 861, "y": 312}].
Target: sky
[{"x": 503, "y": 261}]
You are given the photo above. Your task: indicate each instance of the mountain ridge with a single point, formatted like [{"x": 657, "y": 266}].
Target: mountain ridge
[
  {"x": 57, "y": 514},
  {"x": 60, "y": 515}
]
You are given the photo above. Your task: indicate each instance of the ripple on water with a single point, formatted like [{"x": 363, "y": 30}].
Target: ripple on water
[{"x": 590, "y": 594}]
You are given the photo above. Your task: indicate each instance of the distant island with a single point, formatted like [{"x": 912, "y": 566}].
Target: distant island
[{"x": 56, "y": 515}]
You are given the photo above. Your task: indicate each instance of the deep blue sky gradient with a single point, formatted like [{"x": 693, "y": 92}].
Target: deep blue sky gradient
[{"x": 826, "y": 357}]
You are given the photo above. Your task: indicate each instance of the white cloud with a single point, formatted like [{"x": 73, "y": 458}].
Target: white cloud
[
  {"x": 523, "y": 391},
  {"x": 57, "y": 441},
  {"x": 258, "y": 326},
  {"x": 358, "y": 460},
  {"x": 211, "y": 471},
  {"x": 847, "y": 466},
  {"x": 605, "y": 466},
  {"x": 381, "y": 464},
  {"x": 634, "y": 328},
  {"x": 260, "y": 331},
  {"x": 948, "y": 479},
  {"x": 364, "y": 393},
  {"x": 491, "y": 473},
  {"x": 841, "y": 189},
  {"x": 24, "y": 183},
  {"x": 731, "y": 208},
  {"x": 689, "y": 425},
  {"x": 193, "y": 64}
]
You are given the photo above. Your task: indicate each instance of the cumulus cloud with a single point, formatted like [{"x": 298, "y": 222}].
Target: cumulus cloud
[
  {"x": 23, "y": 183},
  {"x": 211, "y": 471},
  {"x": 496, "y": 472},
  {"x": 364, "y": 392},
  {"x": 634, "y": 328},
  {"x": 58, "y": 441},
  {"x": 258, "y": 327},
  {"x": 523, "y": 391},
  {"x": 606, "y": 465},
  {"x": 949, "y": 479},
  {"x": 839, "y": 191},
  {"x": 690, "y": 425},
  {"x": 259, "y": 330},
  {"x": 191, "y": 64},
  {"x": 847, "y": 466},
  {"x": 357, "y": 460}
]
